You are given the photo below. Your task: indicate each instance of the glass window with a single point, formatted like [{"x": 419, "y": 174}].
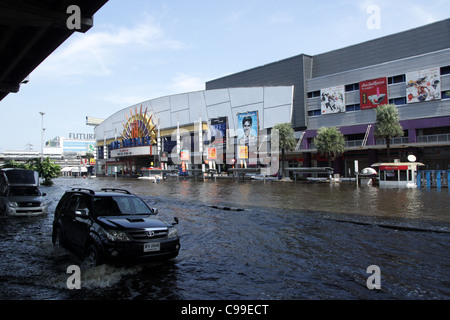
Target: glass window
[
  {"x": 119, "y": 205},
  {"x": 398, "y": 101},
  {"x": 445, "y": 94},
  {"x": 352, "y": 87},
  {"x": 314, "y": 113},
  {"x": 397, "y": 79},
  {"x": 314, "y": 94},
  {"x": 403, "y": 175},
  {"x": 391, "y": 175},
  {"x": 445, "y": 70}
]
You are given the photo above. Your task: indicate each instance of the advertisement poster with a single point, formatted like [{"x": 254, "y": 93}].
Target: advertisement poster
[
  {"x": 185, "y": 155},
  {"x": 333, "y": 100},
  {"x": 423, "y": 85},
  {"x": 218, "y": 128},
  {"x": 243, "y": 152},
  {"x": 373, "y": 93},
  {"x": 212, "y": 153},
  {"x": 247, "y": 128}
]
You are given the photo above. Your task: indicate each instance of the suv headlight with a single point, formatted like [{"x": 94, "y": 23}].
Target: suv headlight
[
  {"x": 173, "y": 233},
  {"x": 13, "y": 204},
  {"x": 115, "y": 235}
]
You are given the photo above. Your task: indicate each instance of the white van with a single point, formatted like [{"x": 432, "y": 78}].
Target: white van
[{"x": 20, "y": 194}]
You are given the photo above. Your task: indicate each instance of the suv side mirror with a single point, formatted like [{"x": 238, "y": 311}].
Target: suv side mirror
[
  {"x": 44, "y": 194},
  {"x": 155, "y": 210},
  {"x": 176, "y": 221},
  {"x": 82, "y": 213}
]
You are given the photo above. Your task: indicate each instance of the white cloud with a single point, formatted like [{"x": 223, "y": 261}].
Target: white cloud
[
  {"x": 98, "y": 53},
  {"x": 186, "y": 83},
  {"x": 130, "y": 95}
]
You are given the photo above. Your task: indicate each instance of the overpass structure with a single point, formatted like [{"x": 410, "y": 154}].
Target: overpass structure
[{"x": 30, "y": 30}]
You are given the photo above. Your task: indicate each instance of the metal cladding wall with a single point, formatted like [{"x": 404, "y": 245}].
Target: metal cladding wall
[
  {"x": 273, "y": 104},
  {"x": 408, "y": 111},
  {"x": 415, "y": 49},
  {"x": 288, "y": 72},
  {"x": 414, "y": 42}
]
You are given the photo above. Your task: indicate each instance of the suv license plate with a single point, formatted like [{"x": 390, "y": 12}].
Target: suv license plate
[{"x": 153, "y": 246}]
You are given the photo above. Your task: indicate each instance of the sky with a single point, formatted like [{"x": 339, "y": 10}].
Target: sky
[{"x": 140, "y": 50}]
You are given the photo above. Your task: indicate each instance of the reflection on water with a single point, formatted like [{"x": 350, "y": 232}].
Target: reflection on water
[
  {"x": 322, "y": 197},
  {"x": 292, "y": 241}
]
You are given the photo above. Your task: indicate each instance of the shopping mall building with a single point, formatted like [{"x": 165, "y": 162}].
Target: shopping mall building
[{"x": 340, "y": 88}]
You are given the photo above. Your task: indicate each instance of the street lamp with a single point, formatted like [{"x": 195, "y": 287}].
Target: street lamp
[{"x": 42, "y": 135}]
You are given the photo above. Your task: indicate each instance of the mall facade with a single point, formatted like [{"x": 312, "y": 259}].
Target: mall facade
[{"x": 340, "y": 88}]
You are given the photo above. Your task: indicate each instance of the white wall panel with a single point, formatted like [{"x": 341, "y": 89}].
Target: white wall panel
[
  {"x": 274, "y": 105},
  {"x": 276, "y": 96},
  {"x": 179, "y": 102},
  {"x": 245, "y": 96},
  {"x": 160, "y": 104},
  {"x": 274, "y": 116},
  {"x": 165, "y": 120},
  {"x": 182, "y": 116},
  {"x": 197, "y": 106},
  {"x": 216, "y": 96}
]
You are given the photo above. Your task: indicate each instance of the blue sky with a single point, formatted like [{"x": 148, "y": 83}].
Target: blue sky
[{"x": 144, "y": 49}]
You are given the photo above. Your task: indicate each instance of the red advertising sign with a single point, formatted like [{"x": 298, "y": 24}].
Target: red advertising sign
[
  {"x": 373, "y": 93},
  {"x": 387, "y": 168}
]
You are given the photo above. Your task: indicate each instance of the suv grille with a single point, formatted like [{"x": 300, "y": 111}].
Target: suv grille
[
  {"x": 148, "y": 234},
  {"x": 28, "y": 204}
]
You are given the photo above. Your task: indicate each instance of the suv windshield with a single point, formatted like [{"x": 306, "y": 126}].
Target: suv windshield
[
  {"x": 119, "y": 205},
  {"x": 24, "y": 191}
]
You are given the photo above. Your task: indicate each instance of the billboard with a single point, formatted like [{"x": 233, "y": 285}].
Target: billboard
[
  {"x": 332, "y": 100},
  {"x": 373, "y": 93},
  {"x": 423, "y": 85},
  {"x": 247, "y": 128},
  {"x": 218, "y": 128}
]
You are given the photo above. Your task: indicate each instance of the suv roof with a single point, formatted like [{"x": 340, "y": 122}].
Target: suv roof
[{"x": 104, "y": 191}]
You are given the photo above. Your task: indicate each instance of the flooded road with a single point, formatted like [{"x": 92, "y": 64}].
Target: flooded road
[{"x": 251, "y": 240}]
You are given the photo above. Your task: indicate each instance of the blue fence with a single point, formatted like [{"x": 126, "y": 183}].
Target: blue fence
[{"x": 433, "y": 178}]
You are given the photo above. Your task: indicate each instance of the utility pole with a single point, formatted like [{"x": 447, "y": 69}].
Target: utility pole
[{"x": 42, "y": 135}]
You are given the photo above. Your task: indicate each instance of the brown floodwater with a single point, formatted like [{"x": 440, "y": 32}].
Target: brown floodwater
[{"x": 251, "y": 240}]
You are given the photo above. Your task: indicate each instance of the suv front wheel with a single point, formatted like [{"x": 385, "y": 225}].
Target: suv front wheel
[
  {"x": 58, "y": 241},
  {"x": 92, "y": 258}
]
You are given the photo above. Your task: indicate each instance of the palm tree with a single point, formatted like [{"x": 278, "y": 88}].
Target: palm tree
[
  {"x": 388, "y": 125},
  {"x": 286, "y": 140},
  {"x": 330, "y": 142}
]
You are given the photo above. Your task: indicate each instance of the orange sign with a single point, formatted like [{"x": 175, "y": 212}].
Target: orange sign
[
  {"x": 212, "y": 154},
  {"x": 243, "y": 152}
]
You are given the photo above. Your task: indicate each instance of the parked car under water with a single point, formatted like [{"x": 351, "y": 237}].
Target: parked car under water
[{"x": 20, "y": 195}]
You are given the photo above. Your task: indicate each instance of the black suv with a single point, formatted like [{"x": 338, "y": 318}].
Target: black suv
[{"x": 112, "y": 226}]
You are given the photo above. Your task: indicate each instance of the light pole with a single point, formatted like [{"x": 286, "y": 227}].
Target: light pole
[{"x": 42, "y": 135}]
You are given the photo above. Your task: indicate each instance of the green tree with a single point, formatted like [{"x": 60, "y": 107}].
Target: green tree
[
  {"x": 286, "y": 140},
  {"x": 46, "y": 168},
  {"x": 14, "y": 164},
  {"x": 330, "y": 142},
  {"x": 388, "y": 125}
]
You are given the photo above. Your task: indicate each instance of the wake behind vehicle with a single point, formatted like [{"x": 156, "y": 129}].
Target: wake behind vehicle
[
  {"x": 20, "y": 194},
  {"x": 112, "y": 225}
]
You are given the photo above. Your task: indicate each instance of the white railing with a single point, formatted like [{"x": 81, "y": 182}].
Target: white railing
[
  {"x": 397, "y": 140},
  {"x": 434, "y": 138}
]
